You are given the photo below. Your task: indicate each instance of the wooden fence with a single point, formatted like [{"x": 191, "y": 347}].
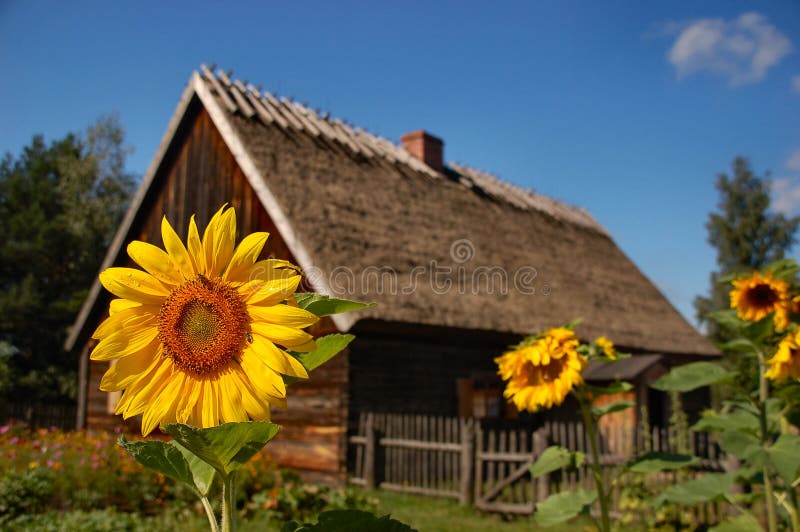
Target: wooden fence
[
  {"x": 61, "y": 416},
  {"x": 458, "y": 458}
]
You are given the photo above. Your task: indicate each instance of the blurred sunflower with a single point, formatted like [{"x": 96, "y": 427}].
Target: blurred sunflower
[
  {"x": 756, "y": 296},
  {"x": 606, "y": 347},
  {"x": 786, "y": 362},
  {"x": 195, "y": 335},
  {"x": 542, "y": 373}
]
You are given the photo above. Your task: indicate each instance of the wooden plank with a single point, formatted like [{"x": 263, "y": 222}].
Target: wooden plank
[
  {"x": 491, "y": 465},
  {"x": 417, "y": 490},
  {"x": 478, "y": 495},
  {"x": 221, "y": 92},
  {"x": 369, "y": 453},
  {"x": 467, "y": 451}
]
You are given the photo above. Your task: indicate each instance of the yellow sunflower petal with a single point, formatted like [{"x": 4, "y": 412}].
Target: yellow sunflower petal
[
  {"x": 191, "y": 394},
  {"x": 145, "y": 389},
  {"x": 283, "y": 315},
  {"x": 118, "y": 305},
  {"x": 264, "y": 379},
  {"x": 270, "y": 292},
  {"x": 210, "y": 408},
  {"x": 177, "y": 251},
  {"x": 155, "y": 261},
  {"x": 136, "y": 285},
  {"x": 231, "y": 406},
  {"x": 281, "y": 335},
  {"x": 277, "y": 359},
  {"x": 256, "y": 407},
  {"x": 126, "y": 370},
  {"x": 125, "y": 343},
  {"x": 158, "y": 409},
  {"x": 195, "y": 247},
  {"x": 218, "y": 241},
  {"x": 140, "y": 316},
  {"x": 245, "y": 255}
]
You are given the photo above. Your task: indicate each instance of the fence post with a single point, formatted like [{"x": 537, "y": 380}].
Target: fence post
[
  {"x": 467, "y": 457},
  {"x": 543, "y": 482},
  {"x": 369, "y": 453}
]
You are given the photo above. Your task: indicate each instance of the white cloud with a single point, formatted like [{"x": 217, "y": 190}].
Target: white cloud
[
  {"x": 741, "y": 49},
  {"x": 786, "y": 195},
  {"x": 796, "y": 83},
  {"x": 793, "y": 162}
]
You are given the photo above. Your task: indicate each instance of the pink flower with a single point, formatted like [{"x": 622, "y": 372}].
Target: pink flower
[{"x": 4, "y": 429}]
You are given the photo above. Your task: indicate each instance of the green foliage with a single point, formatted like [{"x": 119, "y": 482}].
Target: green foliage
[
  {"x": 226, "y": 447},
  {"x": 349, "y": 521},
  {"x": 709, "y": 487},
  {"x": 616, "y": 406},
  {"x": 691, "y": 376},
  {"x": 654, "y": 462},
  {"x": 554, "y": 458},
  {"x": 59, "y": 208},
  {"x": 173, "y": 460},
  {"x": 562, "y": 507},
  {"x": 327, "y": 347},
  {"x": 27, "y": 492},
  {"x": 740, "y": 523},
  {"x": 322, "y": 305},
  {"x": 746, "y": 234}
]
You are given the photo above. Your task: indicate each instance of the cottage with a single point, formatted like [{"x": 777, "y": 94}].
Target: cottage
[{"x": 460, "y": 263}]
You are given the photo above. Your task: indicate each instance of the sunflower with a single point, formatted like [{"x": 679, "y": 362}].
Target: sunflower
[
  {"x": 757, "y": 296},
  {"x": 542, "y": 373},
  {"x": 786, "y": 362},
  {"x": 194, "y": 338},
  {"x": 606, "y": 347}
]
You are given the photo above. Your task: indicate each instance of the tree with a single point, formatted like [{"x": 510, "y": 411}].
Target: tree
[
  {"x": 747, "y": 236},
  {"x": 59, "y": 208}
]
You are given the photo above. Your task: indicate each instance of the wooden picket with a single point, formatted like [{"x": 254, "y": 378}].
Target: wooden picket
[{"x": 457, "y": 458}]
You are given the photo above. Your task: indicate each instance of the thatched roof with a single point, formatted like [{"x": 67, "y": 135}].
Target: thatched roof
[{"x": 354, "y": 207}]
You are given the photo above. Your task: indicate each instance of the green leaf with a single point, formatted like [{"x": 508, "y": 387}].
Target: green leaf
[
  {"x": 170, "y": 460},
  {"x": 692, "y": 376},
  {"x": 741, "y": 523},
  {"x": 563, "y": 506},
  {"x": 202, "y": 473},
  {"x": 616, "y": 406},
  {"x": 743, "y": 446},
  {"x": 225, "y": 447},
  {"x": 322, "y": 305},
  {"x": 761, "y": 329},
  {"x": 327, "y": 347},
  {"x": 350, "y": 521},
  {"x": 554, "y": 458},
  {"x": 738, "y": 344},
  {"x": 740, "y": 420},
  {"x": 784, "y": 455},
  {"x": 613, "y": 389},
  {"x": 710, "y": 486},
  {"x": 654, "y": 462}
]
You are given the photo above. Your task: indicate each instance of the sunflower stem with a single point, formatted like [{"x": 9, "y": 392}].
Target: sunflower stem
[
  {"x": 763, "y": 395},
  {"x": 228, "y": 502},
  {"x": 591, "y": 428},
  {"x": 212, "y": 519}
]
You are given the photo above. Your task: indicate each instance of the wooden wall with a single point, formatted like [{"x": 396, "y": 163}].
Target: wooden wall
[{"x": 200, "y": 174}]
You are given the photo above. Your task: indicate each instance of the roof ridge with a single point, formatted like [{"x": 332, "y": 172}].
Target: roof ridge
[{"x": 294, "y": 117}]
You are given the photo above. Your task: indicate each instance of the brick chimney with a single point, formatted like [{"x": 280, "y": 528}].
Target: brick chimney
[{"x": 425, "y": 147}]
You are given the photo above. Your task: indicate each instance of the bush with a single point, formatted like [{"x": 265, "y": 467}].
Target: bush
[
  {"x": 27, "y": 492},
  {"x": 304, "y": 502}
]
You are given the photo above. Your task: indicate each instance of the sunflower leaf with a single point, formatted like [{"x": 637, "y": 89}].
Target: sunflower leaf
[
  {"x": 616, "y": 406},
  {"x": 322, "y": 305},
  {"x": 327, "y": 347},
  {"x": 225, "y": 447},
  {"x": 555, "y": 458},
  {"x": 692, "y": 376},
  {"x": 349, "y": 520},
  {"x": 654, "y": 462},
  {"x": 709, "y": 487},
  {"x": 740, "y": 523},
  {"x": 170, "y": 460},
  {"x": 563, "y": 506}
]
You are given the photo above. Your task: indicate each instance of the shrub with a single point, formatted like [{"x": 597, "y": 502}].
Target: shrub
[{"x": 26, "y": 492}]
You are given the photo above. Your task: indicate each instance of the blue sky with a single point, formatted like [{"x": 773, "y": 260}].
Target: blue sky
[{"x": 629, "y": 109}]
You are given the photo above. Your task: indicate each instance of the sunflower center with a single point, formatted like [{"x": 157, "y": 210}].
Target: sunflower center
[
  {"x": 762, "y": 296},
  {"x": 538, "y": 375},
  {"x": 203, "y": 325}
]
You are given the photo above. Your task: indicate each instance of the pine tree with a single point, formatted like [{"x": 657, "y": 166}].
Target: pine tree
[
  {"x": 59, "y": 208},
  {"x": 746, "y": 234}
]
